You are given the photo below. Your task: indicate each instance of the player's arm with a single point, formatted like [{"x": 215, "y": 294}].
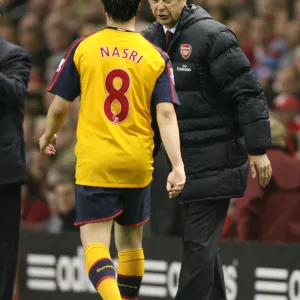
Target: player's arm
[
  {"x": 56, "y": 117},
  {"x": 168, "y": 127},
  {"x": 65, "y": 87},
  {"x": 165, "y": 98}
]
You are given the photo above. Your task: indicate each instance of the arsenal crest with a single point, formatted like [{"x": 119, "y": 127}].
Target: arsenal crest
[{"x": 185, "y": 50}]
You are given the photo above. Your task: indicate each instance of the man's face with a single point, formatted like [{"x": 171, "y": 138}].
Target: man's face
[
  {"x": 260, "y": 31},
  {"x": 8, "y": 33},
  {"x": 167, "y": 12},
  {"x": 285, "y": 116},
  {"x": 286, "y": 81},
  {"x": 292, "y": 33},
  {"x": 65, "y": 197}
]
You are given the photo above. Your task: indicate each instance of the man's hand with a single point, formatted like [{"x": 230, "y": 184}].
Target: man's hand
[
  {"x": 262, "y": 165},
  {"x": 175, "y": 182},
  {"x": 47, "y": 144}
]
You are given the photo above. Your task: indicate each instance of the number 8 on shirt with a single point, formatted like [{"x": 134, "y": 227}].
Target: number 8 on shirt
[{"x": 117, "y": 95}]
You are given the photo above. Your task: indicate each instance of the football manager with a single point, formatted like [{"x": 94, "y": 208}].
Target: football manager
[{"x": 223, "y": 123}]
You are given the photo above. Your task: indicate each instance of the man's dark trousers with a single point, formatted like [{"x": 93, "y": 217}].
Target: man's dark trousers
[
  {"x": 201, "y": 276},
  {"x": 10, "y": 211}
]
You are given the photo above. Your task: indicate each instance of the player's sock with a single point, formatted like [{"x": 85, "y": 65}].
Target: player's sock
[
  {"x": 130, "y": 273},
  {"x": 102, "y": 272}
]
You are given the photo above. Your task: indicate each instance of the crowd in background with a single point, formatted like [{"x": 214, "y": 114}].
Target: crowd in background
[{"x": 269, "y": 34}]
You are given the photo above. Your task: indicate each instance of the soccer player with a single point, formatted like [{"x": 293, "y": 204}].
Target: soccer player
[{"x": 118, "y": 75}]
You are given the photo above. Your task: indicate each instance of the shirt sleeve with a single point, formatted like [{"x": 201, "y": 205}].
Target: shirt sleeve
[
  {"x": 164, "y": 90},
  {"x": 66, "y": 82}
]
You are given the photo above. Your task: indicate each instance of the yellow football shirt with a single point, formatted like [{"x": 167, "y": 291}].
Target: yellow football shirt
[{"x": 118, "y": 75}]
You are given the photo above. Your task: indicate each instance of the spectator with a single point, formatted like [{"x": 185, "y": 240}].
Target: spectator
[
  {"x": 286, "y": 110},
  {"x": 58, "y": 5},
  {"x": 90, "y": 27},
  {"x": 37, "y": 83},
  {"x": 65, "y": 145},
  {"x": 296, "y": 10},
  {"x": 57, "y": 35},
  {"x": 30, "y": 37},
  {"x": 8, "y": 31},
  {"x": 296, "y": 59},
  {"x": 287, "y": 82},
  {"x": 240, "y": 25},
  {"x": 35, "y": 211},
  {"x": 39, "y": 7},
  {"x": 268, "y": 48},
  {"x": 38, "y": 167},
  {"x": 291, "y": 37},
  {"x": 272, "y": 214},
  {"x": 61, "y": 200}
]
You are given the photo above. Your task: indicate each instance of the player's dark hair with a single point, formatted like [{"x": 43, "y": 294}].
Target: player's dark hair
[{"x": 121, "y": 10}]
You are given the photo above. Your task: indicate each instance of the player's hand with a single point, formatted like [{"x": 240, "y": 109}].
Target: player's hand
[
  {"x": 262, "y": 165},
  {"x": 176, "y": 181},
  {"x": 47, "y": 145}
]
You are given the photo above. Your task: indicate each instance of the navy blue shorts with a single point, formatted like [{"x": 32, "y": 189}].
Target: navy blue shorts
[{"x": 128, "y": 206}]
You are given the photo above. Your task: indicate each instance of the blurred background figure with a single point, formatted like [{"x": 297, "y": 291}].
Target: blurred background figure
[
  {"x": 286, "y": 109},
  {"x": 60, "y": 197},
  {"x": 230, "y": 226},
  {"x": 240, "y": 24},
  {"x": 272, "y": 214},
  {"x": 8, "y": 31}
]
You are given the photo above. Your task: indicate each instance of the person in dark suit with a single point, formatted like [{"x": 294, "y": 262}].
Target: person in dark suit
[{"x": 14, "y": 77}]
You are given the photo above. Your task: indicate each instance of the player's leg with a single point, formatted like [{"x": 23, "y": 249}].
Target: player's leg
[
  {"x": 96, "y": 209},
  {"x": 128, "y": 237},
  {"x": 203, "y": 228},
  {"x": 130, "y": 260},
  {"x": 10, "y": 214},
  {"x": 95, "y": 239}
]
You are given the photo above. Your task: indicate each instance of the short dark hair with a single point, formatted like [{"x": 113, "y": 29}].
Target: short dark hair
[{"x": 121, "y": 10}]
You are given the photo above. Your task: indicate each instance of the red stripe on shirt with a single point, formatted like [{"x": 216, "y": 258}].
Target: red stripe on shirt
[
  {"x": 75, "y": 44},
  {"x": 171, "y": 83}
]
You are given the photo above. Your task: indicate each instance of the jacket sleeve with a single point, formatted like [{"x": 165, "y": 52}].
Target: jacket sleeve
[
  {"x": 14, "y": 78},
  {"x": 232, "y": 73}
]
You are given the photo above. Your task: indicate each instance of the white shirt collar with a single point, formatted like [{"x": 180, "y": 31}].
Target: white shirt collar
[{"x": 172, "y": 29}]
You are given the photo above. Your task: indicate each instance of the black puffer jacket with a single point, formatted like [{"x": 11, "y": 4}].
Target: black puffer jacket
[{"x": 223, "y": 113}]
